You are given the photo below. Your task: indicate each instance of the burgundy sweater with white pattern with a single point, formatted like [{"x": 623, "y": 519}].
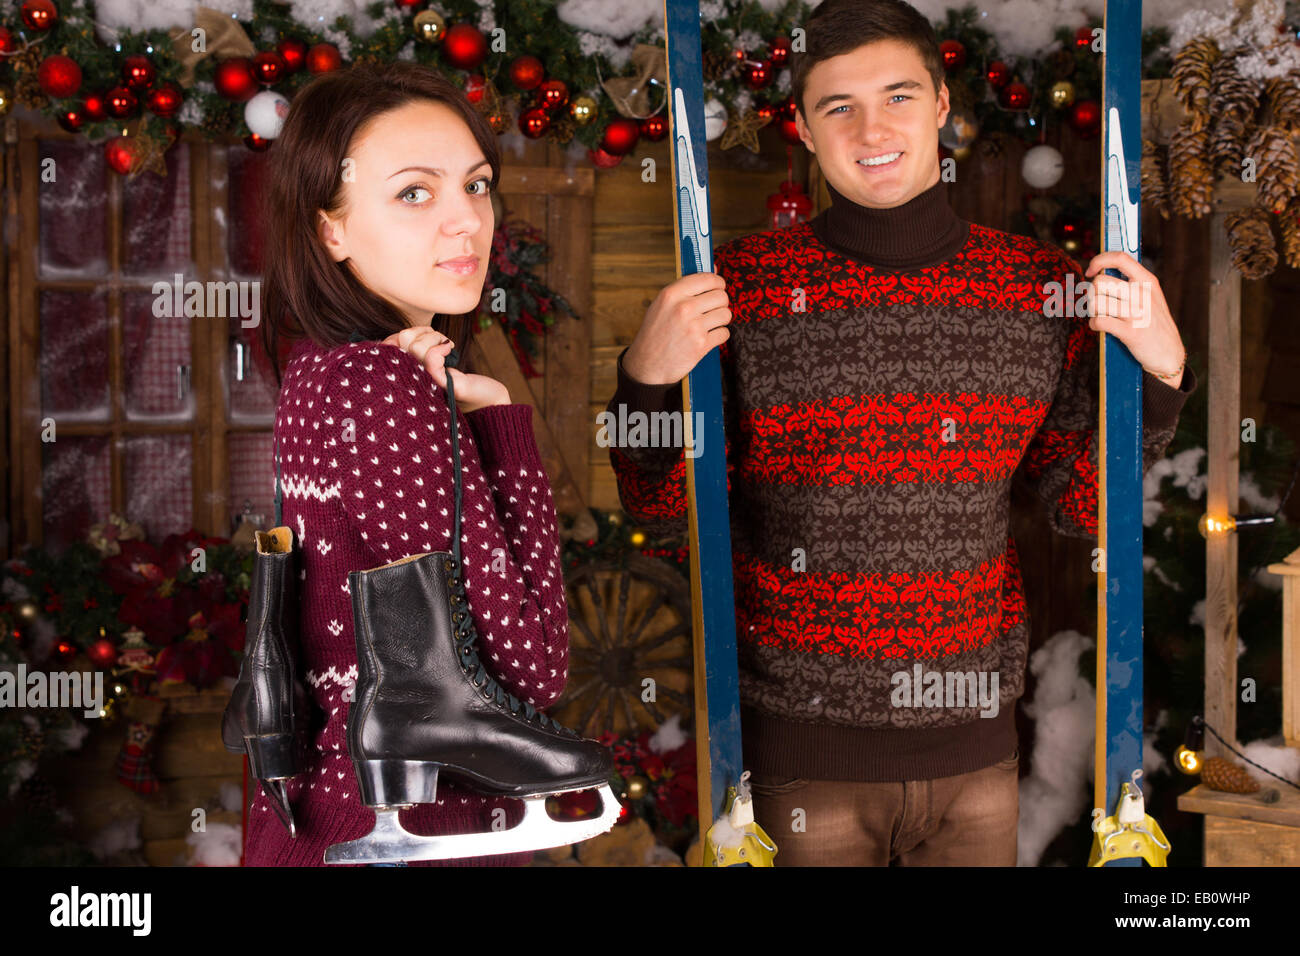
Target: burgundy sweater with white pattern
[{"x": 365, "y": 441}]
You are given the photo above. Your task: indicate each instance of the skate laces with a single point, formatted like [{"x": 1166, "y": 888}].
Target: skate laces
[{"x": 462, "y": 620}]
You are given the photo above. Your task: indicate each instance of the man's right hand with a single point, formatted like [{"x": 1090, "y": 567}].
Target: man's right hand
[{"x": 687, "y": 319}]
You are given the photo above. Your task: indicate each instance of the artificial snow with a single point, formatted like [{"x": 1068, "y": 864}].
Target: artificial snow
[
  {"x": 1056, "y": 792},
  {"x": 218, "y": 845}
]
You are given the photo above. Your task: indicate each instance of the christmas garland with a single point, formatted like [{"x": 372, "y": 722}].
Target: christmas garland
[{"x": 518, "y": 61}]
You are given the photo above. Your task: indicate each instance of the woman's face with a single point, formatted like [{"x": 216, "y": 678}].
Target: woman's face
[{"x": 416, "y": 225}]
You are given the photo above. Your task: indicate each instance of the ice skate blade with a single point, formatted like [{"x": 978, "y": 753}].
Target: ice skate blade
[
  {"x": 390, "y": 842},
  {"x": 277, "y": 794}
]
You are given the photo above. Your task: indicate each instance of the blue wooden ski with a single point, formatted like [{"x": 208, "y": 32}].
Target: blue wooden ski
[
  {"x": 1124, "y": 833},
  {"x": 727, "y": 832}
]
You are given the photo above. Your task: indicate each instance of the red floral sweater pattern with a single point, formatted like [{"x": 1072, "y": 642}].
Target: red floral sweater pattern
[{"x": 875, "y": 420}]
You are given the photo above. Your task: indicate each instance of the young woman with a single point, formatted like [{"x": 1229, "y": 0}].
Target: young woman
[{"x": 379, "y": 233}]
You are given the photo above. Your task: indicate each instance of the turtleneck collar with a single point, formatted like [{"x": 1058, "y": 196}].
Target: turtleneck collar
[{"x": 924, "y": 231}]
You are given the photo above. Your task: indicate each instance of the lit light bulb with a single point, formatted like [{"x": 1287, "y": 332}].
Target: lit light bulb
[{"x": 1189, "y": 761}]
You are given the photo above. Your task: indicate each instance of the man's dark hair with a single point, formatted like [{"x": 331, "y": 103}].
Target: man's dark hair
[{"x": 838, "y": 26}]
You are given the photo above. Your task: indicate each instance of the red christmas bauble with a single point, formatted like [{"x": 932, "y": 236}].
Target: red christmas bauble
[
  {"x": 1014, "y": 96},
  {"x": 998, "y": 74},
  {"x": 534, "y": 122},
  {"x": 1083, "y": 37},
  {"x": 953, "y": 53},
  {"x": 604, "y": 160},
  {"x": 164, "y": 100},
  {"x": 464, "y": 46},
  {"x": 234, "y": 79},
  {"x": 120, "y": 103},
  {"x": 759, "y": 74},
  {"x": 621, "y": 136},
  {"x": 553, "y": 94},
  {"x": 7, "y": 42},
  {"x": 294, "y": 53},
  {"x": 654, "y": 128},
  {"x": 72, "y": 120},
  {"x": 102, "y": 653},
  {"x": 268, "y": 67},
  {"x": 64, "y": 651},
  {"x": 39, "y": 14},
  {"x": 527, "y": 72},
  {"x": 788, "y": 108},
  {"x": 1085, "y": 118},
  {"x": 778, "y": 51},
  {"x": 790, "y": 132},
  {"x": 407, "y": 4},
  {"x": 475, "y": 87},
  {"x": 768, "y": 111},
  {"x": 95, "y": 106},
  {"x": 138, "y": 71},
  {"x": 323, "y": 58},
  {"x": 59, "y": 76},
  {"x": 257, "y": 143}
]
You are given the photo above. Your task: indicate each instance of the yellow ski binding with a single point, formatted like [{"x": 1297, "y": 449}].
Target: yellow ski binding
[
  {"x": 735, "y": 839},
  {"x": 1131, "y": 833}
]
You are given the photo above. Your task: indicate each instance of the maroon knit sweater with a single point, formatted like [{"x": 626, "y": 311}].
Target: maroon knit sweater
[{"x": 365, "y": 442}]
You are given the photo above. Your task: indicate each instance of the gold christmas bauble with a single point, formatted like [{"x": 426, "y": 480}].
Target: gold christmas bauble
[
  {"x": 1061, "y": 94},
  {"x": 1070, "y": 245},
  {"x": 637, "y": 538},
  {"x": 615, "y": 518},
  {"x": 637, "y": 787},
  {"x": 6, "y": 99},
  {"x": 582, "y": 109},
  {"x": 961, "y": 153},
  {"x": 429, "y": 26}
]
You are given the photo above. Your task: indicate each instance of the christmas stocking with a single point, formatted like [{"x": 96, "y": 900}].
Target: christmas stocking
[{"x": 135, "y": 759}]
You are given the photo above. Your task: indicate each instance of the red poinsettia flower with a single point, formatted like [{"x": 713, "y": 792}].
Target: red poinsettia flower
[
  {"x": 137, "y": 566},
  {"x": 204, "y": 656}
]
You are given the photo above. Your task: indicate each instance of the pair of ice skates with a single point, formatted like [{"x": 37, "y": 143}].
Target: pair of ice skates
[{"x": 423, "y": 706}]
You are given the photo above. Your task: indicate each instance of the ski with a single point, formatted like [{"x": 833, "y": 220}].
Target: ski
[
  {"x": 1123, "y": 832},
  {"x": 728, "y": 835}
]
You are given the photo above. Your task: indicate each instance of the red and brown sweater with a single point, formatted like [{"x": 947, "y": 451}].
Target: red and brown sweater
[{"x": 888, "y": 373}]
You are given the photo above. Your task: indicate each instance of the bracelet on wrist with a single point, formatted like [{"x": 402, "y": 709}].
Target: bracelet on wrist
[{"x": 1168, "y": 375}]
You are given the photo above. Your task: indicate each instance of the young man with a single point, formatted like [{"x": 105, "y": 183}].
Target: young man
[{"x": 888, "y": 370}]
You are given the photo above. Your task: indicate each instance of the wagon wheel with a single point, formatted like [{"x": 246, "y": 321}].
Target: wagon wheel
[{"x": 628, "y": 620}]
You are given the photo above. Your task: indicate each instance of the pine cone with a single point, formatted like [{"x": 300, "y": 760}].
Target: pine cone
[
  {"x": 27, "y": 88},
  {"x": 1250, "y": 234},
  {"x": 1283, "y": 96},
  {"x": 1155, "y": 185},
  {"x": 1226, "y": 776},
  {"x": 1231, "y": 94},
  {"x": 1277, "y": 170},
  {"x": 1191, "y": 179},
  {"x": 1289, "y": 221},
  {"x": 561, "y": 129},
  {"x": 716, "y": 66},
  {"x": 1191, "y": 74},
  {"x": 1227, "y": 145}
]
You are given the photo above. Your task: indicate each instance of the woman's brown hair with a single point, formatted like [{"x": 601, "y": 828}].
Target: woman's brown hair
[{"x": 307, "y": 292}]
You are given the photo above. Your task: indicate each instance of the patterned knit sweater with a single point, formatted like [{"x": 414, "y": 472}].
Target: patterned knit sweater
[
  {"x": 365, "y": 441},
  {"x": 888, "y": 373}
]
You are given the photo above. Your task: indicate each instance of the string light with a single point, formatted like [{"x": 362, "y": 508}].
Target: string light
[{"x": 1210, "y": 525}]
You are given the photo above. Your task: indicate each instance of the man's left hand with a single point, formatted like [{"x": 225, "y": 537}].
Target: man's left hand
[{"x": 1133, "y": 309}]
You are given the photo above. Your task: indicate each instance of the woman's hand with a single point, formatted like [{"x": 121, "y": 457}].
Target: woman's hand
[{"x": 431, "y": 347}]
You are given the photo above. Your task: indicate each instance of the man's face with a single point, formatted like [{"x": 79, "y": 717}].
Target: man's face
[{"x": 877, "y": 103}]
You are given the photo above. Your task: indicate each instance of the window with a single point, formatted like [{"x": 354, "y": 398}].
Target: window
[{"x": 118, "y": 402}]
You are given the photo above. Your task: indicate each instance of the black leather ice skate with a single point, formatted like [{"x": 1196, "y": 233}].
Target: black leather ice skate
[
  {"x": 268, "y": 713},
  {"x": 424, "y": 706}
]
